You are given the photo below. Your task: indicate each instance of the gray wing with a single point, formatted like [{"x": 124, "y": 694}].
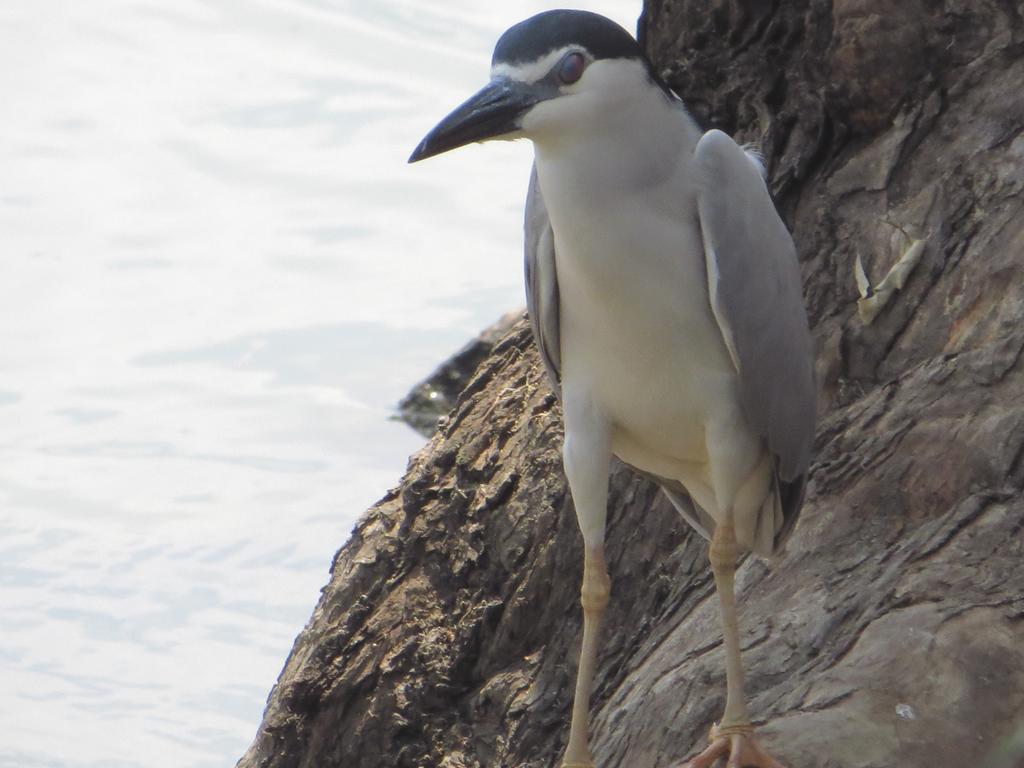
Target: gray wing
[
  {"x": 542, "y": 282},
  {"x": 756, "y": 295}
]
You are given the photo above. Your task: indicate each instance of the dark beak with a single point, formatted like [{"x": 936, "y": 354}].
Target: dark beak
[{"x": 493, "y": 111}]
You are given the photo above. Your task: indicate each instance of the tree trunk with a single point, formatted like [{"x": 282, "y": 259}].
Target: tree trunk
[{"x": 890, "y": 632}]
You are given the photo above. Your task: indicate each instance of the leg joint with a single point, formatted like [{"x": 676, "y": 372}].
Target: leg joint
[
  {"x": 596, "y": 584},
  {"x": 744, "y": 729},
  {"x": 723, "y": 550},
  {"x": 594, "y": 594}
]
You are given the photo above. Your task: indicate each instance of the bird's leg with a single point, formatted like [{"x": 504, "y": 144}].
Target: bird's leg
[
  {"x": 594, "y": 598},
  {"x": 586, "y": 455},
  {"x": 734, "y": 735},
  {"x": 722, "y": 554}
]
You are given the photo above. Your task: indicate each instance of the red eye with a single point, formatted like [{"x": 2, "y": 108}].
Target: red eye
[{"x": 571, "y": 68}]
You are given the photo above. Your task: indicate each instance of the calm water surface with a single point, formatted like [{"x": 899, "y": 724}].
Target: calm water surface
[{"x": 217, "y": 277}]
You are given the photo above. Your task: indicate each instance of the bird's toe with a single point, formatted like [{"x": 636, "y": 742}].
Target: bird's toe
[
  {"x": 741, "y": 750},
  {"x": 711, "y": 755}
]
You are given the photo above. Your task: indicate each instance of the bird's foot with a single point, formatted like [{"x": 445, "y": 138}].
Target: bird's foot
[{"x": 738, "y": 745}]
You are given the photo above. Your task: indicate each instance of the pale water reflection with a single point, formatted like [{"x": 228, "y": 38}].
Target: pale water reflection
[{"x": 217, "y": 277}]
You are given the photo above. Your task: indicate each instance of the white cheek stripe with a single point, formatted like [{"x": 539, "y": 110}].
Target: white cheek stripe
[{"x": 532, "y": 71}]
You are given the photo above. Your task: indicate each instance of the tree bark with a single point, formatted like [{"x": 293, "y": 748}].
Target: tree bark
[{"x": 890, "y": 632}]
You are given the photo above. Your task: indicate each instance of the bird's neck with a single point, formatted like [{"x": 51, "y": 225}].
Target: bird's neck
[{"x": 638, "y": 147}]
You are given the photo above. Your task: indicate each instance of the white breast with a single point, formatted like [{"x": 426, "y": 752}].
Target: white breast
[{"x": 636, "y": 327}]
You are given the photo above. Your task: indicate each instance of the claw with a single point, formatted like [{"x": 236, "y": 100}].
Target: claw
[{"x": 741, "y": 747}]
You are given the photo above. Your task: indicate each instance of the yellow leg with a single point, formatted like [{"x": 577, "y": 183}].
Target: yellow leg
[
  {"x": 594, "y": 598},
  {"x": 734, "y": 736},
  {"x": 722, "y": 554}
]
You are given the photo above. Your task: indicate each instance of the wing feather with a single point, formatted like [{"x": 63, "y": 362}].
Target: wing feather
[
  {"x": 756, "y": 295},
  {"x": 542, "y": 282}
]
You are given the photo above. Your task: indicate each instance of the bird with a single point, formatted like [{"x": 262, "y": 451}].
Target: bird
[{"x": 665, "y": 298}]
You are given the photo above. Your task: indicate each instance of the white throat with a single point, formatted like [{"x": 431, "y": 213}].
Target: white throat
[{"x": 617, "y": 131}]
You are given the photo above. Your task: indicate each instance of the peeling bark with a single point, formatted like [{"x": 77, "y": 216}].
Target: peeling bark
[{"x": 891, "y": 631}]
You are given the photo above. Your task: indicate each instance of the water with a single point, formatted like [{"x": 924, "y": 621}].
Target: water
[{"x": 217, "y": 277}]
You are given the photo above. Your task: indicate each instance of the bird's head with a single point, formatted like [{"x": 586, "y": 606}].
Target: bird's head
[{"x": 550, "y": 74}]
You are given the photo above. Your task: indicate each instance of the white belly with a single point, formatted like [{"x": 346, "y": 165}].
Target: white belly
[{"x": 638, "y": 336}]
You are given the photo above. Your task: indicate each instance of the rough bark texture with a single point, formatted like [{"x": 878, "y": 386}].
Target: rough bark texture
[{"x": 891, "y": 632}]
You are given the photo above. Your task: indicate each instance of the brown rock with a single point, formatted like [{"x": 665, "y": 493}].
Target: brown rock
[{"x": 892, "y": 630}]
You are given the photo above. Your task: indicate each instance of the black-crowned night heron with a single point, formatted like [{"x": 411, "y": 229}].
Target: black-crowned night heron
[{"x": 665, "y": 298}]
